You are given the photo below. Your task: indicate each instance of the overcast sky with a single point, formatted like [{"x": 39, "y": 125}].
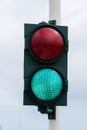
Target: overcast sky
[{"x": 13, "y": 15}]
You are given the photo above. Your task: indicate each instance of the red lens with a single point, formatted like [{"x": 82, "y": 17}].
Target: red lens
[{"x": 47, "y": 43}]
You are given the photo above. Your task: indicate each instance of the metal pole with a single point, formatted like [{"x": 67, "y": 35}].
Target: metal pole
[
  {"x": 54, "y": 124},
  {"x": 54, "y": 10},
  {"x": 54, "y": 14}
]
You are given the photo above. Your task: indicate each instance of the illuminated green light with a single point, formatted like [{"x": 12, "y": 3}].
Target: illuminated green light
[{"x": 46, "y": 84}]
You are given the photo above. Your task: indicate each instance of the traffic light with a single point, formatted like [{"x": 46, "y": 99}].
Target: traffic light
[{"x": 45, "y": 65}]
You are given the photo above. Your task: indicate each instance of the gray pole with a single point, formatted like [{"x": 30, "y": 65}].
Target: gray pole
[
  {"x": 54, "y": 14},
  {"x": 54, "y": 10}
]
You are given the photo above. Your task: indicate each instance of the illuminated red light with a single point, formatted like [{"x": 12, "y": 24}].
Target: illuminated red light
[{"x": 47, "y": 43}]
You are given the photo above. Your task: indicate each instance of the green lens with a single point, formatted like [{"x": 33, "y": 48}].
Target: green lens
[{"x": 46, "y": 84}]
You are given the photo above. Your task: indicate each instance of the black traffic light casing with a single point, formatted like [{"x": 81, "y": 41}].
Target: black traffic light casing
[{"x": 32, "y": 64}]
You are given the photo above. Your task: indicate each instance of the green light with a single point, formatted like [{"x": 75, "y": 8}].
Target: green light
[{"x": 46, "y": 84}]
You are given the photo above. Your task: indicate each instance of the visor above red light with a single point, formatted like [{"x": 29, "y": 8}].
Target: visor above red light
[{"x": 47, "y": 43}]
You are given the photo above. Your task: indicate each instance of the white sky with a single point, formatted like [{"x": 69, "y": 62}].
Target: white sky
[{"x": 13, "y": 15}]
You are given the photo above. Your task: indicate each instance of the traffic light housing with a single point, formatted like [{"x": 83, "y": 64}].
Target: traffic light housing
[{"x": 45, "y": 65}]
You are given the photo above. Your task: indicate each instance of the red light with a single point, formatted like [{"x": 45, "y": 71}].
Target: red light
[{"x": 47, "y": 43}]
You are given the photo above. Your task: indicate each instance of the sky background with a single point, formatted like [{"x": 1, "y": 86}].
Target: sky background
[{"x": 13, "y": 15}]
